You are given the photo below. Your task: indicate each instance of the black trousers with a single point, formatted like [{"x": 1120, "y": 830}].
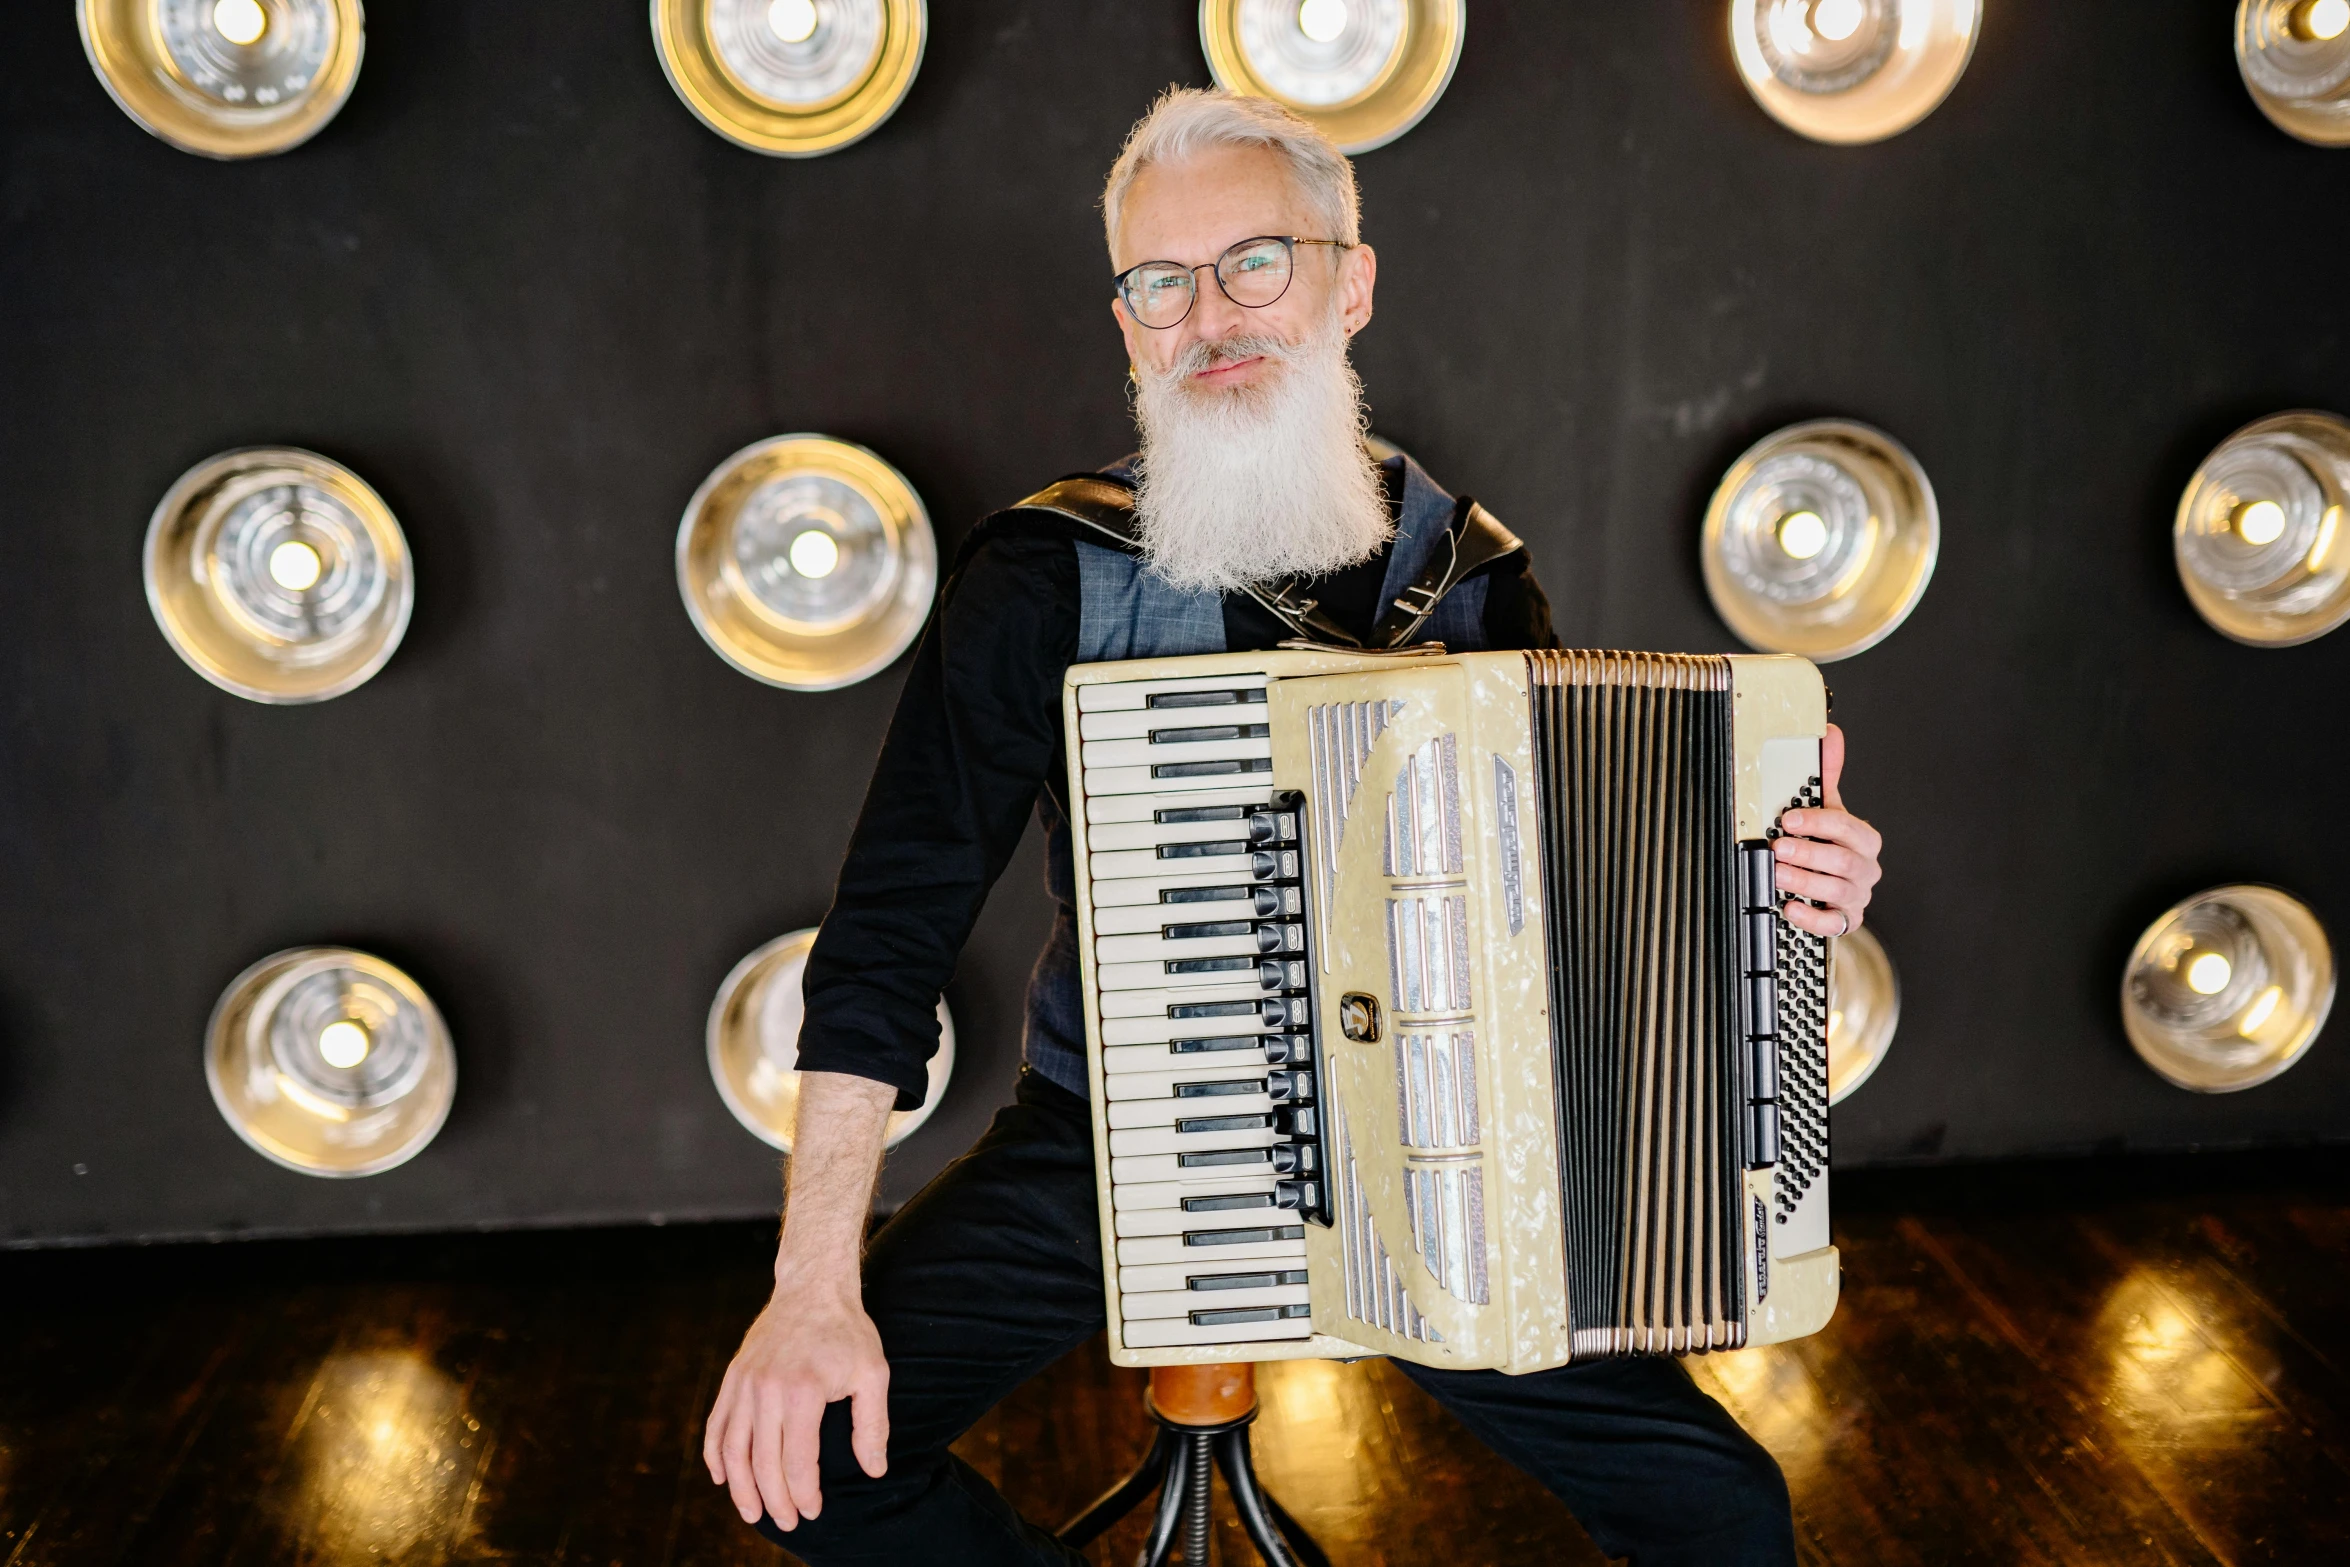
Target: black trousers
[{"x": 994, "y": 1271}]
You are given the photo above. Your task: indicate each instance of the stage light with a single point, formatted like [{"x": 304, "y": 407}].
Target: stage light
[
  {"x": 793, "y": 21},
  {"x": 232, "y": 79},
  {"x": 2256, "y": 529},
  {"x": 1864, "y": 1008},
  {"x": 1820, "y": 540},
  {"x": 330, "y": 1062},
  {"x": 806, "y": 562},
  {"x": 1365, "y": 71},
  {"x": 240, "y": 21},
  {"x": 1852, "y": 71},
  {"x": 753, "y": 1039},
  {"x": 2228, "y": 989},
  {"x": 791, "y": 78},
  {"x": 2294, "y": 56},
  {"x": 278, "y": 574}
]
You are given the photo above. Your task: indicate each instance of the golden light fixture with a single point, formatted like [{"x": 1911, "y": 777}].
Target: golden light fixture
[
  {"x": 806, "y": 562},
  {"x": 330, "y": 1062},
  {"x": 1365, "y": 71},
  {"x": 1864, "y": 1008},
  {"x": 226, "y": 78},
  {"x": 2258, "y": 532},
  {"x": 1852, "y": 71},
  {"x": 278, "y": 574},
  {"x": 2229, "y": 988},
  {"x": 1820, "y": 540},
  {"x": 2294, "y": 56},
  {"x": 791, "y": 78},
  {"x": 753, "y": 1041}
]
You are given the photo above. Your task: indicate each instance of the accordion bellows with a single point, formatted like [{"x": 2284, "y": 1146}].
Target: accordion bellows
[{"x": 1438, "y": 1007}]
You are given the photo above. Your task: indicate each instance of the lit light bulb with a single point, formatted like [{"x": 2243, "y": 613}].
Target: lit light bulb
[
  {"x": 793, "y": 21},
  {"x": 1837, "y": 20},
  {"x": 1321, "y": 20},
  {"x": 2259, "y": 522},
  {"x": 344, "y": 1043},
  {"x": 2209, "y": 974},
  {"x": 295, "y": 566},
  {"x": 240, "y": 21},
  {"x": 813, "y": 554},
  {"x": 2263, "y": 1008},
  {"x": 1802, "y": 534},
  {"x": 2321, "y": 21}
]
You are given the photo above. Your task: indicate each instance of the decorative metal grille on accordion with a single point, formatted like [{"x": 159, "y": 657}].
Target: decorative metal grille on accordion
[{"x": 1438, "y": 1005}]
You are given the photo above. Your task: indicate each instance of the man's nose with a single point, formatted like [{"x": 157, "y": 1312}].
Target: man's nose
[{"x": 1213, "y": 314}]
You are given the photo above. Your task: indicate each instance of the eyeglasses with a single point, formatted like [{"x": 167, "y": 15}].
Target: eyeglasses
[{"x": 1252, "y": 274}]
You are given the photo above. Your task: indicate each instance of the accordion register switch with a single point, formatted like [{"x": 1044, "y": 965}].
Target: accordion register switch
[{"x": 1439, "y": 1006}]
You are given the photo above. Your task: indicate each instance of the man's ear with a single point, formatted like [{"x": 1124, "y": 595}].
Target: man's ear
[{"x": 1357, "y": 281}]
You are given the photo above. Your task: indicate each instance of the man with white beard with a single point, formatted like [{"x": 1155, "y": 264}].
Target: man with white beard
[{"x": 1257, "y": 513}]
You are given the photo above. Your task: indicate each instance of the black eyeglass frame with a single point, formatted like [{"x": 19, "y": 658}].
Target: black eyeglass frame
[{"x": 1288, "y": 243}]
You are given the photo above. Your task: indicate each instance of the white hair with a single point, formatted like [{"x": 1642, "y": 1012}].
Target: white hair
[{"x": 1190, "y": 120}]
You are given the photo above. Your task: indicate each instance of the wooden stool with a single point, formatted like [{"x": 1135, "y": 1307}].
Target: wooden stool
[{"x": 1203, "y": 1413}]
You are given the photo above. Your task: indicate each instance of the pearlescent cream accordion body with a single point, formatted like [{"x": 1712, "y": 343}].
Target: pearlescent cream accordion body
[{"x": 1437, "y": 1006}]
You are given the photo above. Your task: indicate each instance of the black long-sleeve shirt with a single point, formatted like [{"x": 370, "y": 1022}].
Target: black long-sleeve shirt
[{"x": 976, "y": 736}]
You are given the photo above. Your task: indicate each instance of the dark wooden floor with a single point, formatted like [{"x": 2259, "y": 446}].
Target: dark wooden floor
[{"x": 2112, "y": 1363}]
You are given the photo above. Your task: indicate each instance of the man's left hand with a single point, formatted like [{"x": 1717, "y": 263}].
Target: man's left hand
[{"x": 1827, "y": 855}]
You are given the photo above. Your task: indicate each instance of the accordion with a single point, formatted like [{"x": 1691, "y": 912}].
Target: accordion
[{"x": 1438, "y": 1005}]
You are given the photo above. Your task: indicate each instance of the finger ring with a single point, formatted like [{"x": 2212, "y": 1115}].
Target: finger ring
[{"x": 1846, "y": 914}]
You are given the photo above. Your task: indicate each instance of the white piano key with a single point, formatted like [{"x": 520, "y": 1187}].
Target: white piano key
[
  {"x": 1168, "y": 1335},
  {"x": 1136, "y": 1222},
  {"x": 1145, "y": 892},
  {"x": 1208, "y": 1255},
  {"x": 1162, "y": 1084},
  {"x": 1170, "y": 1194},
  {"x": 1145, "y": 807},
  {"x": 1136, "y": 1001},
  {"x": 1141, "y": 780},
  {"x": 1127, "y": 864},
  {"x": 1152, "y": 946},
  {"x": 1103, "y": 837},
  {"x": 1160, "y": 1277},
  {"x": 1164, "y": 1304},
  {"x": 1161, "y": 1029},
  {"x": 1161, "y": 1058},
  {"x": 1110, "y": 696},
  {"x": 1152, "y": 1168},
  {"x": 1167, "y": 1140},
  {"x": 1159, "y": 753},
  {"x": 1132, "y": 1114},
  {"x": 1136, "y": 919},
  {"x": 1141, "y": 722}
]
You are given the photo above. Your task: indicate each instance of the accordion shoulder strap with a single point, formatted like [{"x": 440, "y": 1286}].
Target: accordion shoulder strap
[{"x": 1475, "y": 539}]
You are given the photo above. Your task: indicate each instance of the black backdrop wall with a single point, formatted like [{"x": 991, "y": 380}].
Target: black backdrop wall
[{"x": 525, "y": 294}]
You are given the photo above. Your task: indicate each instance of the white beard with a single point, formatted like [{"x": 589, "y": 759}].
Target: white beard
[{"x": 1249, "y": 484}]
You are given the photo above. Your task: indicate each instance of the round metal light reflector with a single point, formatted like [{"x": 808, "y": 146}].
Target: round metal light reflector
[
  {"x": 2260, "y": 532},
  {"x": 226, "y": 78},
  {"x": 2294, "y": 56},
  {"x": 806, "y": 562},
  {"x": 754, "y": 1035},
  {"x": 1820, "y": 540},
  {"x": 1864, "y": 1008},
  {"x": 1852, "y": 71},
  {"x": 1365, "y": 71},
  {"x": 791, "y": 78},
  {"x": 278, "y": 574},
  {"x": 2229, "y": 988},
  {"x": 330, "y": 1062}
]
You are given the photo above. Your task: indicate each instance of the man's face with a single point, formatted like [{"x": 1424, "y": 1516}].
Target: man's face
[{"x": 1192, "y": 211}]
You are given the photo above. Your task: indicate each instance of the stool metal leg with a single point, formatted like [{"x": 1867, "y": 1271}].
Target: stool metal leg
[
  {"x": 1160, "y": 1547},
  {"x": 1277, "y": 1536},
  {"x": 1122, "y": 1498}
]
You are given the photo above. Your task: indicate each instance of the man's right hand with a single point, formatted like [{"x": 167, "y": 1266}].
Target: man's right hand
[{"x": 813, "y": 1344}]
